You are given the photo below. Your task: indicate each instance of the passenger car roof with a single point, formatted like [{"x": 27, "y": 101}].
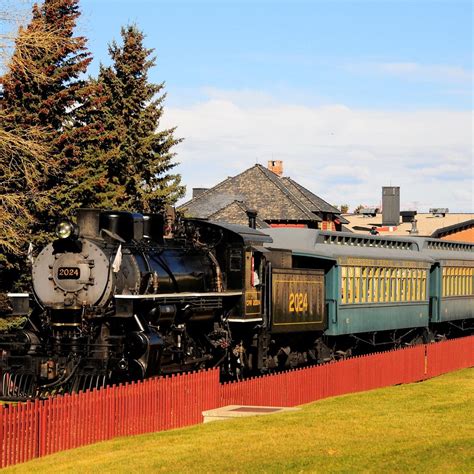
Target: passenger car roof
[
  {"x": 248, "y": 234},
  {"x": 441, "y": 250},
  {"x": 335, "y": 245}
]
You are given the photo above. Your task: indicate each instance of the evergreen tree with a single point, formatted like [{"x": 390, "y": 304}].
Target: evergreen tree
[
  {"x": 43, "y": 90},
  {"x": 90, "y": 184},
  {"x": 137, "y": 157},
  {"x": 39, "y": 97}
]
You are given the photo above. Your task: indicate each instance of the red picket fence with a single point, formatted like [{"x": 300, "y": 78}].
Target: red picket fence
[
  {"x": 36, "y": 429},
  {"x": 336, "y": 378},
  {"x": 448, "y": 356}
]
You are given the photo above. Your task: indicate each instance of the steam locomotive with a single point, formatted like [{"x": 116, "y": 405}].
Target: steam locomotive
[{"x": 120, "y": 296}]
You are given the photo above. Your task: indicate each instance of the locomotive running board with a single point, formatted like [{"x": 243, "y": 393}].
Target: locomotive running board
[
  {"x": 179, "y": 295},
  {"x": 242, "y": 320}
]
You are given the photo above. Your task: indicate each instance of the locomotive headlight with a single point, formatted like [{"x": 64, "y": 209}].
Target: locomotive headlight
[{"x": 65, "y": 229}]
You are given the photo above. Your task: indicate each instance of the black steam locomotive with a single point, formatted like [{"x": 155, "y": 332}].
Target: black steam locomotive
[{"x": 121, "y": 296}]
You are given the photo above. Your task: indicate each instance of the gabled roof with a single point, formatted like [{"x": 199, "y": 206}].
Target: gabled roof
[
  {"x": 258, "y": 188},
  {"x": 315, "y": 203},
  {"x": 210, "y": 201},
  {"x": 236, "y": 212}
]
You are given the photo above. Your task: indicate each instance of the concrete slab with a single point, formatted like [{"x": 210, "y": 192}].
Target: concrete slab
[{"x": 238, "y": 411}]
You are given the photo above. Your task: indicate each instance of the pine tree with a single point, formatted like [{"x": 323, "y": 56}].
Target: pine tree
[
  {"x": 89, "y": 183},
  {"x": 41, "y": 89},
  {"x": 39, "y": 98},
  {"x": 139, "y": 158}
]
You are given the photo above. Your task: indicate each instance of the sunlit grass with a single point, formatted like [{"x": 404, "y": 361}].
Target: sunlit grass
[{"x": 423, "y": 427}]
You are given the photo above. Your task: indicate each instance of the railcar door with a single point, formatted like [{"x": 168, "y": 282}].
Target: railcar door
[
  {"x": 435, "y": 292},
  {"x": 253, "y": 286}
]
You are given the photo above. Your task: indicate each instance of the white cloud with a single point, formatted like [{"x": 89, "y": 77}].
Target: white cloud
[
  {"x": 423, "y": 71},
  {"x": 344, "y": 155},
  {"x": 416, "y": 71}
]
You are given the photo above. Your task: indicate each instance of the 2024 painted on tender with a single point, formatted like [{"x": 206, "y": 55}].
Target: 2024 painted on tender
[{"x": 121, "y": 296}]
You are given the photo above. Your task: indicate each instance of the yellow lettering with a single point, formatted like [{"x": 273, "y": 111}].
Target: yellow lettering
[{"x": 298, "y": 302}]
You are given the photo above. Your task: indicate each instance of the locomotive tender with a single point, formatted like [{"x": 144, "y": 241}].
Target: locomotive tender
[{"x": 121, "y": 296}]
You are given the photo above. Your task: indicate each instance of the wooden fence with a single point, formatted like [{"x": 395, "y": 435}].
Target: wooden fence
[{"x": 36, "y": 429}]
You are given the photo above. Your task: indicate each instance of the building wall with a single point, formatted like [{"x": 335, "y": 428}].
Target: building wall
[
  {"x": 302, "y": 226},
  {"x": 328, "y": 225},
  {"x": 466, "y": 235}
]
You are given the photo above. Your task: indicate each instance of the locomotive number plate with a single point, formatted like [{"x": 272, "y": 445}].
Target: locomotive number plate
[{"x": 69, "y": 273}]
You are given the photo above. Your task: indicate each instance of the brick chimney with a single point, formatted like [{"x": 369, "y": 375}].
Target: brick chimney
[{"x": 276, "y": 166}]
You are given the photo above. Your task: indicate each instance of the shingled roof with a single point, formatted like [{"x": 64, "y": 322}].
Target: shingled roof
[
  {"x": 236, "y": 212},
  {"x": 315, "y": 203},
  {"x": 275, "y": 199}
]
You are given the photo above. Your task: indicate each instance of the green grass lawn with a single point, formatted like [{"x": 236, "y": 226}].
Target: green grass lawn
[{"x": 423, "y": 427}]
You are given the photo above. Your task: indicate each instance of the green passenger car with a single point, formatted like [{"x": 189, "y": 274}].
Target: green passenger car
[
  {"x": 451, "y": 280},
  {"x": 372, "y": 284},
  {"x": 378, "y": 284}
]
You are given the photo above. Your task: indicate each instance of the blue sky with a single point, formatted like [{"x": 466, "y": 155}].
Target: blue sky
[
  {"x": 350, "y": 95},
  {"x": 333, "y": 51}
]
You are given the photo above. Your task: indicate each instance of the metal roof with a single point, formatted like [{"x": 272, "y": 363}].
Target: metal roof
[
  {"x": 459, "y": 226},
  {"x": 333, "y": 245},
  {"x": 249, "y": 236},
  {"x": 439, "y": 249},
  {"x": 427, "y": 224}
]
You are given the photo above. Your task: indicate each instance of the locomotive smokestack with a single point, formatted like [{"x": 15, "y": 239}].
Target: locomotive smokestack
[
  {"x": 252, "y": 215},
  {"x": 88, "y": 223}
]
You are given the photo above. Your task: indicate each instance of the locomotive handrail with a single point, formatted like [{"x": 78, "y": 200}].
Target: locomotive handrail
[{"x": 180, "y": 295}]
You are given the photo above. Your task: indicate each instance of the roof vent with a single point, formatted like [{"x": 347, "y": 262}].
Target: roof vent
[
  {"x": 369, "y": 211},
  {"x": 439, "y": 211},
  {"x": 414, "y": 228},
  {"x": 437, "y": 244},
  {"x": 365, "y": 241},
  {"x": 408, "y": 216}
]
